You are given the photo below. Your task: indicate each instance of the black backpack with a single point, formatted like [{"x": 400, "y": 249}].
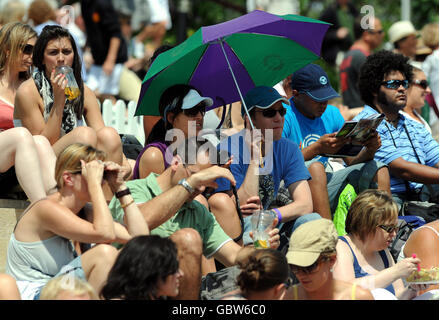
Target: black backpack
[{"x": 406, "y": 226}]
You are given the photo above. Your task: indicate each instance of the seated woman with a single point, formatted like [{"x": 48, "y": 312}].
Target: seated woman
[
  {"x": 33, "y": 157},
  {"x": 146, "y": 268},
  {"x": 264, "y": 275},
  {"x": 363, "y": 256},
  {"x": 42, "y": 107},
  {"x": 424, "y": 243},
  {"x": 40, "y": 247},
  {"x": 311, "y": 256}
]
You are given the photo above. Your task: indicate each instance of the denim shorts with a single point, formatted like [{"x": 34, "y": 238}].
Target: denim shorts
[{"x": 74, "y": 266}]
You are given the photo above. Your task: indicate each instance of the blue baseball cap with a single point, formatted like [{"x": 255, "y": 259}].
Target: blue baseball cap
[
  {"x": 313, "y": 81},
  {"x": 261, "y": 97}
]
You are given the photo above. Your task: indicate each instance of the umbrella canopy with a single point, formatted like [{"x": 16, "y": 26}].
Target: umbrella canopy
[{"x": 226, "y": 59}]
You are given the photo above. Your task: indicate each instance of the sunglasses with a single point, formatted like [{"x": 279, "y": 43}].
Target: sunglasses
[
  {"x": 389, "y": 228},
  {"x": 421, "y": 83},
  {"x": 270, "y": 113},
  {"x": 395, "y": 84},
  {"x": 376, "y": 32},
  {"x": 28, "y": 49},
  {"x": 310, "y": 269},
  {"x": 193, "y": 112}
]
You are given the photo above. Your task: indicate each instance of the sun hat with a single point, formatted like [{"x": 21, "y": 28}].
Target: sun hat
[
  {"x": 311, "y": 239},
  {"x": 401, "y": 29},
  {"x": 313, "y": 81},
  {"x": 261, "y": 97}
]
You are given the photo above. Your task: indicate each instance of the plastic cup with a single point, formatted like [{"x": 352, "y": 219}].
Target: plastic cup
[
  {"x": 261, "y": 222},
  {"x": 72, "y": 90}
]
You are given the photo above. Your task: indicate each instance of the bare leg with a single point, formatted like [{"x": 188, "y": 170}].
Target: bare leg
[
  {"x": 319, "y": 190},
  {"x": 8, "y": 288},
  {"x": 190, "y": 250},
  {"x": 207, "y": 265},
  {"x": 47, "y": 159},
  {"x": 18, "y": 148},
  {"x": 85, "y": 135},
  {"x": 224, "y": 209},
  {"x": 97, "y": 263},
  {"x": 110, "y": 142}
]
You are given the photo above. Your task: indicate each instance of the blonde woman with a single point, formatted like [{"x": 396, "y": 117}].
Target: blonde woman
[
  {"x": 40, "y": 245},
  {"x": 33, "y": 157},
  {"x": 68, "y": 287},
  {"x": 363, "y": 256}
]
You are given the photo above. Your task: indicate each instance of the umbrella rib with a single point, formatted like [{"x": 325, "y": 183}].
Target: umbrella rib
[{"x": 199, "y": 61}]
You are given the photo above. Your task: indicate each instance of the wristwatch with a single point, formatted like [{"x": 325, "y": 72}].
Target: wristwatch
[{"x": 186, "y": 185}]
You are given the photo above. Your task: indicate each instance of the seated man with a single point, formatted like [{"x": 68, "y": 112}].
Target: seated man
[
  {"x": 313, "y": 124},
  {"x": 165, "y": 201},
  {"x": 262, "y": 159},
  {"x": 407, "y": 147}
]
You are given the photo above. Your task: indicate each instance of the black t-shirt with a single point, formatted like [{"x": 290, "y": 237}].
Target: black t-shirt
[{"x": 349, "y": 74}]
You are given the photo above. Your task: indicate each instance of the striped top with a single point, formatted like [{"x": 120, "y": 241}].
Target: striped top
[{"x": 426, "y": 147}]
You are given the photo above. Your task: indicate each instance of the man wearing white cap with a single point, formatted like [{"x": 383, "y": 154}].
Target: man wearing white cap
[{"x": 403, "y": 36}]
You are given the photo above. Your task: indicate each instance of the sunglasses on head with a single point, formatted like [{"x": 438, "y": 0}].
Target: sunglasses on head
[
  {"x": 395, "y": 84},
  {"x": 389, "y": 228},
  {"x": 270, "y": 113},
  {"x": 421, "y": 83},
  {"x": 193, "y": 112},
  {"x": 28, "y": 49}
]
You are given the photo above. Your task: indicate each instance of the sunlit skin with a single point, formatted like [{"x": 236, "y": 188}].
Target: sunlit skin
[
  {"x": 263, "y": 123},
  {"x": 416, "y": 94},
  {"x": 58, "y": 52},
  {"x": 392, "y": 100},
  {"x": 171, "y": 286},
  {"x": 189, "y": 125},
  {"x": 24, "y": 60}
]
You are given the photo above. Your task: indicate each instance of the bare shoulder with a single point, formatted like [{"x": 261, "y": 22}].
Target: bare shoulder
[
  {"x": 27, "y": 87},
  {"x": 152, "y": 156},
  {"x": 363, "y": 294}
]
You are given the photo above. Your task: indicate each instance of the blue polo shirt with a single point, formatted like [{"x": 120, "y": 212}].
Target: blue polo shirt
[{"x": 426, "y": 147}]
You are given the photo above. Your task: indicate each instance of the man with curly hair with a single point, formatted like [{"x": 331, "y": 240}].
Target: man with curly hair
[{"x": 408, "y": 149}]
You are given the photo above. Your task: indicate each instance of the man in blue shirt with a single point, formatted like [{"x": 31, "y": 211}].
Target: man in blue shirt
[
  {"x": 313, "y": 124},
  {"x": 406, "y": 146},
  {"x": 262, "y": 159}
]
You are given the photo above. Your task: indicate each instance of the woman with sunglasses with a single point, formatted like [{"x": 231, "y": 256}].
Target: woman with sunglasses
[
  {"x": 416, "y": 94},
  {"x": 146, "y": 268},
  {"x": 32, "y": 156},
  {"x": 362, "y": 254},
  {"x": 181, "y": 108},
  {"x": 264, "y": 275},
  {"x": 312, "y": 255},
  {"x": 42, "y": 106},
  {"x": 40, "y": 247}
]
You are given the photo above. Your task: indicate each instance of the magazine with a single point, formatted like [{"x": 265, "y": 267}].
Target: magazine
[{"x": 359, "y": 131}]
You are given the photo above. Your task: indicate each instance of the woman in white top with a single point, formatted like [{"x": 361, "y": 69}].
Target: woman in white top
[
  {"x": 416, "y": 97},
  {"x": 40, "y": 247}
]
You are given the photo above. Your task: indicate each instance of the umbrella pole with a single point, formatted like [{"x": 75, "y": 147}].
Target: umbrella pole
[{"x": 236, "y": 83}]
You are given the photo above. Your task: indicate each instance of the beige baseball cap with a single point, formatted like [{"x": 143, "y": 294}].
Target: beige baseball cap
[
  {"x": 401, "y": 29},
  {"x": 309, "y": 240}
]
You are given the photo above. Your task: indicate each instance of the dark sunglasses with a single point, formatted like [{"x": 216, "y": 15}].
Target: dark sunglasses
[
  {"x": 193, "y": 112},
  {"x": 395, "y": 84},
  {"x": 375, "y": 32},
  {"x": 421, "y": 83},
  {"x": 270, "y": 113},
  {"x": 307, "y": 270},
  {"x": 390, "y": 228},
  {"x": 28, "y": 49}
]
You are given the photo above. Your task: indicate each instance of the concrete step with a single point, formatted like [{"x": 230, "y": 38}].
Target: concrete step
[{"x": 10, "y": 212}]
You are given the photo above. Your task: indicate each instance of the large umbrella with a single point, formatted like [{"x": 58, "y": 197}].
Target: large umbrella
[{"x": 226, "y": 60}]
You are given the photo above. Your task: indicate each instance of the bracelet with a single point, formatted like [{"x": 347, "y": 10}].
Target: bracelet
[
  {"x": 123, "y": 206},
  {"x": 279, "y": 215},
  {"x": 122, "y": 193}
]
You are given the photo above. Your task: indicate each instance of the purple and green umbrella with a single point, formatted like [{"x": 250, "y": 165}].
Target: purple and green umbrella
[{"x": 226, "y": 60}]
